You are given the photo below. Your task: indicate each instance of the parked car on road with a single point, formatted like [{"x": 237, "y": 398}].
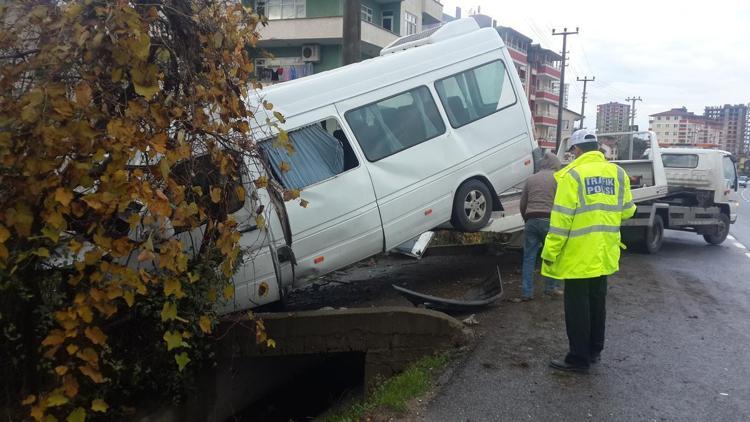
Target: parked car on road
[{"x": 742, "y": 181}]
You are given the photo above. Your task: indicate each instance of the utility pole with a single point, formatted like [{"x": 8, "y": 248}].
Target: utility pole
[
  {"x": 352, "y": 31},
  {"x": 632, "y": 110},
  {"x": 583, "y": 97},
  {"x": 565, "y": 33}
]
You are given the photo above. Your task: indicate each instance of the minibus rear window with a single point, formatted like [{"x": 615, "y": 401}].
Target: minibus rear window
[
  {"x": 396, "y": 123},
  {"x": 476, "y": 93}
]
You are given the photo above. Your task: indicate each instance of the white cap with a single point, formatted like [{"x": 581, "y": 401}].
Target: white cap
[{"x": 582, "y": 136}]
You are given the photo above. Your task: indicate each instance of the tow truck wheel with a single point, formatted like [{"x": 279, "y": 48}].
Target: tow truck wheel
[
  {"x": 722, "y": 231},
  {"x": 472, "y": 206},
  {"x": 654, "y": 236},
  {"x": 644, "y": 239}
]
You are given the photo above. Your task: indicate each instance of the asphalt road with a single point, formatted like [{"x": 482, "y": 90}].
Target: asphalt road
[{"x": 678, "y": 346}]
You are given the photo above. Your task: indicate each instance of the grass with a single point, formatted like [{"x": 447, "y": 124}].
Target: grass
[{"x": 394, "y": 393}]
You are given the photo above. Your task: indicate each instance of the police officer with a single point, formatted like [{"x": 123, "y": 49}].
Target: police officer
[{"x": 583, "y": 244}]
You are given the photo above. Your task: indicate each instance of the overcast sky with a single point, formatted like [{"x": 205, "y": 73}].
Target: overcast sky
[{"x": 671, "y": 53}]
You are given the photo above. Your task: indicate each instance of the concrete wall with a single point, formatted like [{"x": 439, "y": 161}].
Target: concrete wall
[
  {"x": 389, "y": 337},
  {"x": 330, "y": 58}
]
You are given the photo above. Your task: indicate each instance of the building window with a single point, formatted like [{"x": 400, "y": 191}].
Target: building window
[
  {"x": 388, "y": 20},
  {"x": 476, "y": 93},
  {"x": 411, "y": 23},
  {"x": 397, "y": 123},
  {"x": 282, "y": 9},
  {"x": 366, "y": 14}
]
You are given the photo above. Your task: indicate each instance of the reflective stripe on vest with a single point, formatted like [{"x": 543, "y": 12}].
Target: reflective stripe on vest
[{"x": 599, "y": 228}]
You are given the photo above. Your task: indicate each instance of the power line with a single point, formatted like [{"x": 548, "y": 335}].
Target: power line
[{"x": 565, "y": 33}]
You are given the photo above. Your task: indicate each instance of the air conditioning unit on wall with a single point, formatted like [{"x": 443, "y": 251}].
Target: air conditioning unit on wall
[{"x": 311, "y": 53}]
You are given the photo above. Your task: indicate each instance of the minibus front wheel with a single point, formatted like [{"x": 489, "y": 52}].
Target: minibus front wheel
[{"x": 472, "y": 206}]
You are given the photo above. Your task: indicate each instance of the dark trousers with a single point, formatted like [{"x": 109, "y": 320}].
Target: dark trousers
[{"x": 585, "y": 314}]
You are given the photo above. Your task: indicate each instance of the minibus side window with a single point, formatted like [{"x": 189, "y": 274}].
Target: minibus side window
[
  {"x": 396, "y": 123},
  {"x": 319, "y": 151},
  {"x": 476, "y": 93}
]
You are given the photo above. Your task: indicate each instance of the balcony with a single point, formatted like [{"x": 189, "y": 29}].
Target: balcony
[
  {"x": 518, "y": 56},
  {"x": 545, "y": 119},
  {"x": 548, "y": 71},
  {"x": 547, "y": 96},
  {"x": 326, "y": 30}
]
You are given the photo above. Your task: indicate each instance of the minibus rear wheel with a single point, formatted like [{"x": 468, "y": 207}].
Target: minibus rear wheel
[{"x": 472, "y": 206}]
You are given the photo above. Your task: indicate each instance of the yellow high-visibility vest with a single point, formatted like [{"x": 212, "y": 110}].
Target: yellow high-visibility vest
[{"x": 593, "y": 197}]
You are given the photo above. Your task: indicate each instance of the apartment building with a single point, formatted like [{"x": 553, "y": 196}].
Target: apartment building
[
  {"x": 735, "y": 129},
  {"x": 678, "y": 127},
  {"x": 612, "y": 117},
  {"x": 539, "y": 69},
  {"x": 306, "y": 36}
]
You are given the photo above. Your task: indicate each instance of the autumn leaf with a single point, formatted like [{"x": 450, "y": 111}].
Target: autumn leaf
[
  {"x": 54, "y": 338},
  {"x": 279, "y": 117},
  {"x": 129, "y": 297},
  {"x": 92, "y": 373},
  {"x": 61, "y": 370},
  {"x": 267, "y": 105},
  {"x": 284, "y": 167},
  {"x": 77, "y": 415},
  {"x": 56, "y": 399},
  {"x": 168, "y": 311},
  {"x": 88, "y": 355},
  {"x": 205, "y": 324},
  {"x": 261, "y": 182},
  {"x": 240, "y": 193},
  {"x": 173, "y": 339},
  {"x": 215, "y": 195},
  {"x": 303, "y": 203},
  {"x": 63, "y": 196},
  {"x": 42, "y": 252},
  {"x": 29, "y": 400},
  {"x": 70, "y": 385},
  {"x": 146, "y": 255},
  {"x": 99, "y": 405},
  {"x": 83, "y": 94},
  {"x": 50, "y": 233},
  {"x": 96, "y": 335},
  {"x": 270, "y": 343},
  {"x": 182, "y": 360},
  {"x": 228, "y": 291},
  {"x": 172, "y": 286},
  {"x": 4, "y": 234},
  {"x": 260, "y": 221},
  {"x": 145, "y": 80}
]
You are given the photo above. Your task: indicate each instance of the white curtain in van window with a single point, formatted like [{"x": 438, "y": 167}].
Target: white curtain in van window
[{"x": 317, "y": 156}]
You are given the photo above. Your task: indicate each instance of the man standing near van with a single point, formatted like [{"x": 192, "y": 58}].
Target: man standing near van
[
  {"x": 583, "y": 244},
  {"x": 536, "y": 206}
]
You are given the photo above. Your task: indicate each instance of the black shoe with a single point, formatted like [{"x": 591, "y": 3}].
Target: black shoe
[
  {"x": 595, "y": 358},
  {"x": 565, "y": 366}
]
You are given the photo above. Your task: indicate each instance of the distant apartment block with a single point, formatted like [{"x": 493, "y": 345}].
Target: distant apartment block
[
  {"x": 678, "y": 127},
  {"x": 306, "y": 36},
  {"x": 734, "y": 120},
  {"x": 612, "y": 117}
]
